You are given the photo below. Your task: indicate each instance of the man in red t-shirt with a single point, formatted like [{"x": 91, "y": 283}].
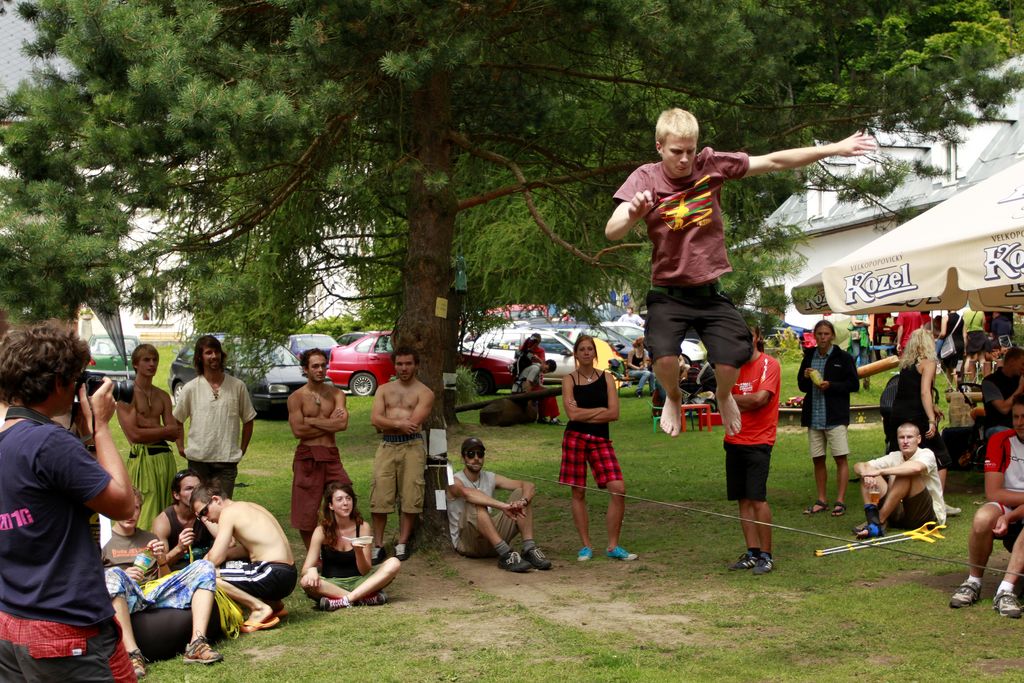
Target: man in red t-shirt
[
  {"x": 748, "y": 454},
  {"x": 678, "y": 200}
]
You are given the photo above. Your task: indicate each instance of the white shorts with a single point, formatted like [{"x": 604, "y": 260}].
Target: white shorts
[{"x": 834, "y": 438}]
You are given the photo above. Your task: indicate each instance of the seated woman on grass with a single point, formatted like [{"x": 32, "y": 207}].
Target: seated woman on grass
[{"x": 341, "y": 542}]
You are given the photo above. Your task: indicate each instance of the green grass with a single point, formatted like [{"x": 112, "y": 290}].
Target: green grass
[{"x": 676, "y": 614}]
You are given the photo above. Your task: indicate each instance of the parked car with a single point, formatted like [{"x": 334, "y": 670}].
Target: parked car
[
  {"x": 691, "y": 349},
  {"x": 107, "y": 361},
  {"x": 572, "y": 332},
  {"x": 270, "y": 381},
  {"x": 349, "y": 337},
  {"x": 297, "y": 343},
  {"x": 505, "y": 342},
  {"x": 364, "y": 364}
]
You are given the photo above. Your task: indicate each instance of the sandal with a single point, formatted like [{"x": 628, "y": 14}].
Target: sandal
[
  {"x": 816, "y": 507},
  {"x": 839, "y": 509}
]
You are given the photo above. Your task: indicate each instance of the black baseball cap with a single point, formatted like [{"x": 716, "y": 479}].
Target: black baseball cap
[{"x": 473, "y": 444}]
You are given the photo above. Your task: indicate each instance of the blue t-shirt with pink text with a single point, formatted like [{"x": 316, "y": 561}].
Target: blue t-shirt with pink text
[{"x": 50, "y": 567}]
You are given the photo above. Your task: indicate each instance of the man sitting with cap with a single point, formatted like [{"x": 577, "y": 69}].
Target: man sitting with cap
[{"x": 475, "y": 530}]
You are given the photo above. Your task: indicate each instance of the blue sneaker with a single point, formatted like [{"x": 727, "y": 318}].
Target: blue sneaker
[
  {"x": 585, "y": 554},
  {"x": 620, "y": 553}
]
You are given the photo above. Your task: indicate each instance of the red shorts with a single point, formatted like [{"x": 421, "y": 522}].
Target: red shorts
[
  {"x": 314, "y": 467},
  {"x": 578, "y": 449},
  {"x": 48, "y": 651}
]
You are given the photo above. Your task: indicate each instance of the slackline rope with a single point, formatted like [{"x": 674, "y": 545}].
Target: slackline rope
[{"x": 782, "y": 527}]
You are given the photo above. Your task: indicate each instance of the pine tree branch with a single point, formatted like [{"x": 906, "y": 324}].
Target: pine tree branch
[
  {"x": 524, "y": 189},
  {"x": 532, "y": 185}
]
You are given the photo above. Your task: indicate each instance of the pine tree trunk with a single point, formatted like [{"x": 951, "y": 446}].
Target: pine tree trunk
[{"x": 428, "y": 271}]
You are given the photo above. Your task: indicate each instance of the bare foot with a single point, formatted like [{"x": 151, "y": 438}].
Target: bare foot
[
  {"x": 262, "y": 613},
  {"x": 730, "y": 414},
  {"x": 671, "y": 419}
]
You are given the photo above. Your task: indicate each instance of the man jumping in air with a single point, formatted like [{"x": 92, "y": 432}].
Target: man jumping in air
[{"x": 678, "y": 199}]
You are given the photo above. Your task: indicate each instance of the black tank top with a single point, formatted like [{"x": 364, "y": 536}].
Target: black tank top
[
  {"x": 908, "y": 407},
  {"x": 338, "y": 564},
  {"x": 593, "y": 395},
  {"x": 201, "y": 544}
]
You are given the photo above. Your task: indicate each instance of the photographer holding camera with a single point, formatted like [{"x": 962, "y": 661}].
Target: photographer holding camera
[{"x": 56, "y": 621}]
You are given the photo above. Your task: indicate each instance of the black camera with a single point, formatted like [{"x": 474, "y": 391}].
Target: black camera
[{"x": 124, "y": 389}]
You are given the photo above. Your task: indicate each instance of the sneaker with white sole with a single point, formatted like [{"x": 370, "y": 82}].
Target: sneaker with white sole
[
  {"x": 512, "y": 562},
  {"x": 965, "y": 596},
  {"x": 200, "y": 652},
  {"x": 584, "y": 554},
  {"x": 378, "y": 598},
  {"x": 620, "y": 553},
  {"x": 536, "y": 558},
  {"x": 1007, "y": 605},
  {"x": 746, "y": 561},
  {"x": 764, "y": 565},
  {"x": 952, "y": 511}
]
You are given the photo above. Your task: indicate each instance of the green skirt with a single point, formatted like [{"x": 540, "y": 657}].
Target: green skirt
[
  {"x": 350, "y": 583},
  {"x": 152, "y": 468}
]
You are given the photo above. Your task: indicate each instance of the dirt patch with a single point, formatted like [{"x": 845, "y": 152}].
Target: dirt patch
[
  {"x": 263, "y": 654},
  {"x": 994, "y": 667},
  {"x": 580, "y": 596}
]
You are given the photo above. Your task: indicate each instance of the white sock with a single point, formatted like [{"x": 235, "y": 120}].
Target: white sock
[
  {"x": 974, "y": 581},
  {"x": 1004, "y": 587}
]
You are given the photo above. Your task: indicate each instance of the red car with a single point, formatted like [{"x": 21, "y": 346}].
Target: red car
[{"x": 365, "y": 364}]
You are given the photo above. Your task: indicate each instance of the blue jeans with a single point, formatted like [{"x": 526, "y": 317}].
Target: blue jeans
[{"x": 642, "y": 377}]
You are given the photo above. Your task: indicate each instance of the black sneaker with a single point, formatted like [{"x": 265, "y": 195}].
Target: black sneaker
[
  {"x": 512, "y": 562},
  {"x": 746, "y": 561},
  {"x": 764, "y": 565},
  {"x": 402, "y": 552},
  {"x": 378, "y": 555},
  {"x": 536, "y": 558}
]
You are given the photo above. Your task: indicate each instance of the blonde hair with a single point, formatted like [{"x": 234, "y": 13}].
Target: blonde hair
[
  {"x": 921, "y": 346},
  {"x": 678, "y": 122}
]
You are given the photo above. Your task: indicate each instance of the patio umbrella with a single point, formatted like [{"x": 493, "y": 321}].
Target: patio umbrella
[{"x": 969, "y": 248}]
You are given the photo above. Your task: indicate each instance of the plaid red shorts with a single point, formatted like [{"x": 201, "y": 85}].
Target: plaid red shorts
[{"x": 578, "y": 449}]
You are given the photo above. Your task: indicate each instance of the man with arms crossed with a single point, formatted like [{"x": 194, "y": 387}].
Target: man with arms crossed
[
  {"x": 148, "y": 423},
  {"x": 217, "y": 403},
  {"x": 399, "y": 410},
  {"x": 263, "y": 581},
  {"x": 748, "y": 455},
  {"x": 53, "y": 628},
  {"x": 678, "y": 200},
  {"x": 475, "y": 531},
  {"x": 1000, "y": 516},
  {"x": 316, "y": 413}
]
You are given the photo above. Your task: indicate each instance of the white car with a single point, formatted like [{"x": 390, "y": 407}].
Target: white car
[
  {"x": 505, "y": 342},
  {"x": 692, "y": 349}
]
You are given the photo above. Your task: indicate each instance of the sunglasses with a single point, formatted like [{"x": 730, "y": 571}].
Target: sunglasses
[
  {"x": 202, "y": 513},
  {"x": 470, "y": 455}
]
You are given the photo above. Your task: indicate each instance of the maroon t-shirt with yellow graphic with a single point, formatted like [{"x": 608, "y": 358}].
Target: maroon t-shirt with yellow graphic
[{"x": 685, "y": 224}]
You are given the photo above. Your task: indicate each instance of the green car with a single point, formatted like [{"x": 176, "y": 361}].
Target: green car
[{"x": 107, "y": 361}]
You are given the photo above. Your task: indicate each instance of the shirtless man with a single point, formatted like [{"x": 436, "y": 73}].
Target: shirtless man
[
  {"x": 148, "y": 423},
  {"x": 316, "y": 413},
  {"x": 187, "y": 539},
  {"x": 263, "y": 581},
  {"x": 399, "y": 410}
]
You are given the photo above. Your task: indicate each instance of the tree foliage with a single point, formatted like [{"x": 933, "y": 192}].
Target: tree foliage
[{"x": 282, "y": 144}]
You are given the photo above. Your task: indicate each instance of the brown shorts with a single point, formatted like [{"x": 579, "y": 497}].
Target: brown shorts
[
  {"x": 471, "y": 542},
  {"x": 313, "y": 468},
  {"x": 398, "y": 473},
  {"x": 913, "y": 512}
]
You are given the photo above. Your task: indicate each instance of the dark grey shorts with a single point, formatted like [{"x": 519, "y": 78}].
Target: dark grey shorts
[{"x": 721, "y": 327}]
